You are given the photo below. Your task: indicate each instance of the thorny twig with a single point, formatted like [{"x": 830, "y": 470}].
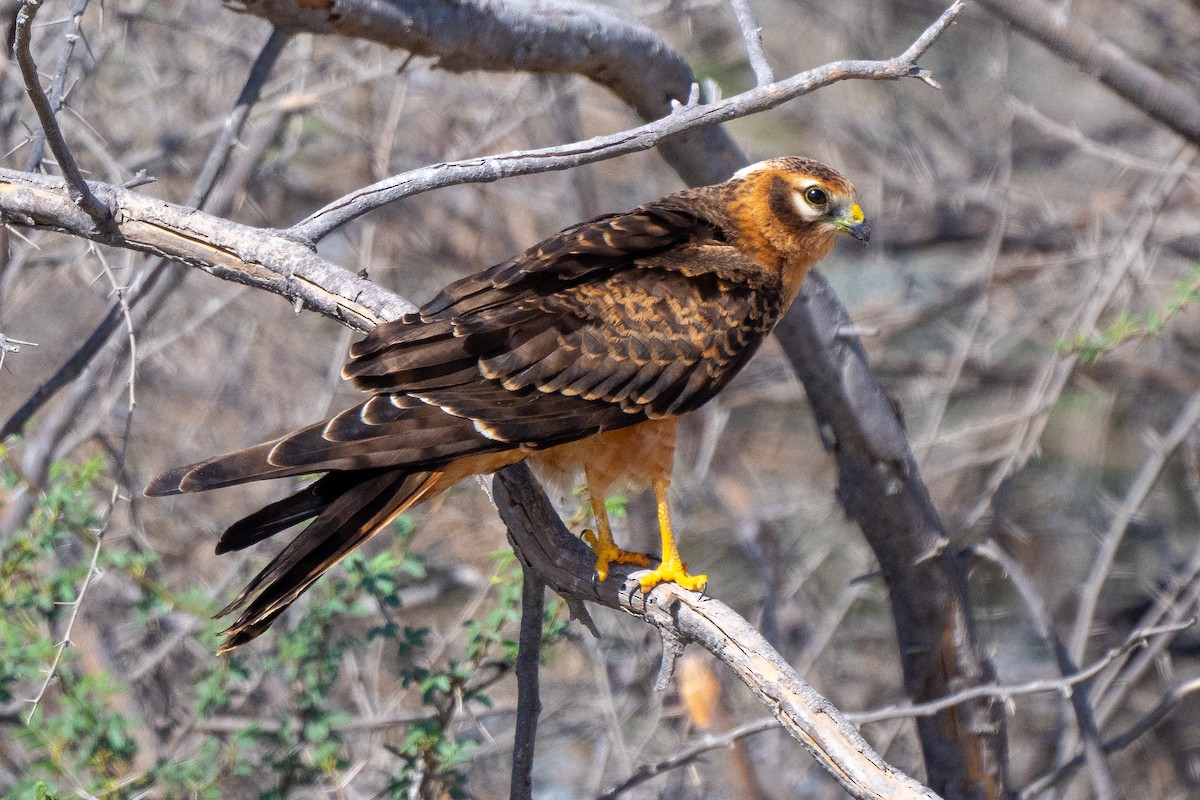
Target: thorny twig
[
  {"x": 58, "y": 84},
  {"x": 81, "y": 194},
  {"x": 118, "y": 468}
]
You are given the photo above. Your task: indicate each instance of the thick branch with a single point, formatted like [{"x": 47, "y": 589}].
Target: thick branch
[{"x": 239, "y": 253}]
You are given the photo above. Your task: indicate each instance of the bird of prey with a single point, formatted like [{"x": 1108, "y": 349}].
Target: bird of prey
[{"x": 583, "y": 351}]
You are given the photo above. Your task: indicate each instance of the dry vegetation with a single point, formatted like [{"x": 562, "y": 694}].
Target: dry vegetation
[{"x": 1031, "y": 288}]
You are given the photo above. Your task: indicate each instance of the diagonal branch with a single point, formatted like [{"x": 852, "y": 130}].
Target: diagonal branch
[
  {"x": 566, "y": 565},
  {"x": 684, "y": 119}
]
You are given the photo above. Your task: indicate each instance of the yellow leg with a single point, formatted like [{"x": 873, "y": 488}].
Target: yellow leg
[
  {"x": 603, "y": 545},
  {"x": 672, "y": 568}
]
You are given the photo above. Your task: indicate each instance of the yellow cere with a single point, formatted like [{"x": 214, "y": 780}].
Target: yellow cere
[{"x": 856, "y": 214}]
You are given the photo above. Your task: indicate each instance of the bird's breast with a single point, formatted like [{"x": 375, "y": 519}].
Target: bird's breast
[{"x": 626, "y": 458}]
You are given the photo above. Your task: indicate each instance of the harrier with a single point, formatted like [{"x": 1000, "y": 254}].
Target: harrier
[{"x": 582, "y": 352}]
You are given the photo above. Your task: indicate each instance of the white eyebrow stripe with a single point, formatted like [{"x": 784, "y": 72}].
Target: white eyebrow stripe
[{"x": 744, "y": 171}]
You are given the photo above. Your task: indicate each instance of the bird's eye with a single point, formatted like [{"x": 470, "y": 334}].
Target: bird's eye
[{"x": 815, "y": 196}]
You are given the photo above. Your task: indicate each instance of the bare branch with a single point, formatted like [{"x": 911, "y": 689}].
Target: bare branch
[
  {"x": 231, "y": 251},
  {"x": 529, "y": 703},
  {"x": 58, "y": 84},
  {"x": 685, "y": 119}
]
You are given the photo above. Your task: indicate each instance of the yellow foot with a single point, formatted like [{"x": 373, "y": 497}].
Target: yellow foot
[
  {"x": 607, "y": 553},
  {"x": 674, "y": 571}
]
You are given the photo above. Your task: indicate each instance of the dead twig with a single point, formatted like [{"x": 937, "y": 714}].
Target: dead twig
[{"x": 752, "y": 35}]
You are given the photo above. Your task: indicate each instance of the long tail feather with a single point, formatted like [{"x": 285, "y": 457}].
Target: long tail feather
[
  {"x": 344, "y": 524},
  {"x": 283, "y": 514}
]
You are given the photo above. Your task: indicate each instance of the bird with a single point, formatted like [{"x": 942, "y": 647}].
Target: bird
[{"x": 581, "y": 352}]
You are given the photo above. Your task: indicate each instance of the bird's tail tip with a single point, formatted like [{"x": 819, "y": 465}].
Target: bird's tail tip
[{"x": 167, "y": 483}]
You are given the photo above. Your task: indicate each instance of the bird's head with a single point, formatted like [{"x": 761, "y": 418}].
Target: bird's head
[
  {"x": 803, "y": 194},
  {"x": 789, "y": 212}
]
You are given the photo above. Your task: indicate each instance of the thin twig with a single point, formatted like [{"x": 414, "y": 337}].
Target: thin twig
[
  {"x": 80, "y": 193},
  {"x": 486, "y": 169},
  {"x": 752, "y": 35},
  {"x": 1098, "y": 766},
  {"x": 529, "y": 702},
  {"x": 689, "y": 754},
  {"x": 118, "y": 469},
  {"x": 1007, "y": 692}
]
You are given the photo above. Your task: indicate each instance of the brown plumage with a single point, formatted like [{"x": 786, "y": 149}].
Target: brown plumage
[{"x": 582, "y": 351}]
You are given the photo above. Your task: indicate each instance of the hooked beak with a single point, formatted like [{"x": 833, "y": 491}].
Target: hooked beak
[{"x": 851, "y": 221}]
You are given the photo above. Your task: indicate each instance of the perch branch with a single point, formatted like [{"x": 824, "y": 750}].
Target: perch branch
[{"x": 566, "y": 565}]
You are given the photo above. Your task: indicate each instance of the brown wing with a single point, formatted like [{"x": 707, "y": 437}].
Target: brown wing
[
  {"x": 612, "y": 322},
  {"x": 615, "y": 321}
]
